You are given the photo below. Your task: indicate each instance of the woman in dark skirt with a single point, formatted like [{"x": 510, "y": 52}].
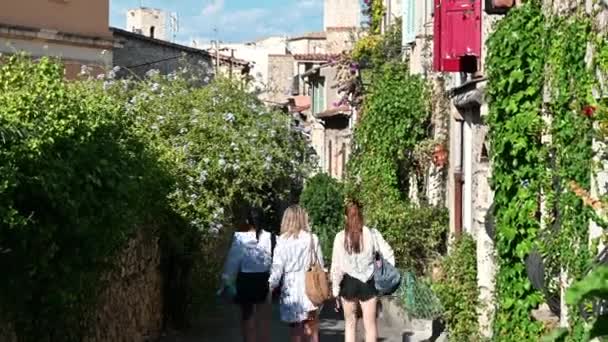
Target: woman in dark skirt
[
  {"x": 352, "y": 271},
  {"x": 247, "y": 270}
]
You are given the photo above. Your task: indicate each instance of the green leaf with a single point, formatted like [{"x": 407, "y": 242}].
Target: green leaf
[
  {"x": 594, "y": 285},
  {"x": 556, "y": 335},
  {"x": 599, "y": 328}
]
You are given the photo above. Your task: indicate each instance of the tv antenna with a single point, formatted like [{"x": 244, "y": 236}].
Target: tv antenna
[{"x": 174, "y": 25}]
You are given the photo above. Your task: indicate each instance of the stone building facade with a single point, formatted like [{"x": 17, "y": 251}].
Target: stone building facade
[
  {"x": 138, "y": 54},
  {"x": 258, "y": 53},
  {"x": 150, "y": 22},
  {"x": 74, "y": 31},
  {"x": 341, "y": 13},
  {"x": 467, "y": 193}
]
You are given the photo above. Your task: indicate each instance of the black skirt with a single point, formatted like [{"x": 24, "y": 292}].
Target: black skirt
[
  {"x": 252, "y": 288},
  {"x": 353, "y": 289}
]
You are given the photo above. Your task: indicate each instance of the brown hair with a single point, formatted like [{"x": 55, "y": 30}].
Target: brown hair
[{"x": 353, "y": 231}]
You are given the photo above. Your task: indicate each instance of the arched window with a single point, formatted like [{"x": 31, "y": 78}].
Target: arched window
[{"x": 151, "y": 31}]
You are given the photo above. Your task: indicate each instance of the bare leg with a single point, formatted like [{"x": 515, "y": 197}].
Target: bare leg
[
  {"x": 311, "y": 328},
  {"x": 350, "y": 320},
  {"x": 264, "y": 315},
  {"x": 369, "y": 319},
  {"x": 296, "y": 332},
  {"x": 248, "y": 323}
]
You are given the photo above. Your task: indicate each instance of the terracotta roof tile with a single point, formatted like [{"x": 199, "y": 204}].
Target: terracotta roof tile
[
  {"x": 342, "y": 110},
  {"x": 326, "y": 57},
  {"x": 310, "y": 35}
]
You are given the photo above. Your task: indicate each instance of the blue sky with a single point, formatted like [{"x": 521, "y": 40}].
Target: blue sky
[{"x": 235, "y": 20}]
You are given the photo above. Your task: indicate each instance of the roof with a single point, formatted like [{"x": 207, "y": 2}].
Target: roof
[
  {"x": 313, "y": 70},
  {"x": 341, "y": 28},
  {"x": 124, "y": 33},
  {"x": 301, "y": 100},
  {"x": 54, "y": 35},
  {"x": 298, "y": 109},
  {"x": 310, "y": 35},
  {"x": 325, "y": 57},
  {"x": 342, "y": 110}
]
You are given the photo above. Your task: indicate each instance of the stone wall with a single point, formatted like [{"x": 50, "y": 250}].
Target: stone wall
[
  {"x": 280, "y": 77},
  {"x": 140, "y": 54},
  {"x": 341, "y": 13},
  {"x": 341, "y": 39},
  {"x": 130, "y": 307},
  {"x": 7, "y": 334}
]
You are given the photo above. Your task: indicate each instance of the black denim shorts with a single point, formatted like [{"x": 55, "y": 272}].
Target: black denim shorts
[{"x": 353, "y": 289}]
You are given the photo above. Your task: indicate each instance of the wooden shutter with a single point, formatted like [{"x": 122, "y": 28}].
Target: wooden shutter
[
  {"x": 457, "y": 36},
  {"x": 409, "y": 21},
  {"x": 437, "y": 35}
]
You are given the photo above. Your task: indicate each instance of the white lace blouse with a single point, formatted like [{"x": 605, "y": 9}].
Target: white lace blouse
[
  {"x": 358, "y": 265},
  {"x": 248, "y": 255}
]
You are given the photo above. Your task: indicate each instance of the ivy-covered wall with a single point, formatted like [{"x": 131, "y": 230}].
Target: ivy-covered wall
[{"x": 542, "y": 76}]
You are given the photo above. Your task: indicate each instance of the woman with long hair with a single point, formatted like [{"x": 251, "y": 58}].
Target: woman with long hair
[
  {"x": 352, "y": 271},
  {"x": 248, "y": 268},
  {"x": 291, "y": 260}
]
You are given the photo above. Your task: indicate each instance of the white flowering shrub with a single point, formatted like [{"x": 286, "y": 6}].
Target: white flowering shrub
[
  {"x": 84, "y": 163},
  {"x": 224, "y": 144}
]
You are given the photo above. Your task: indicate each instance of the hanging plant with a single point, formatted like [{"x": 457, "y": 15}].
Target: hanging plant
[{"x": 440, "y": 155}]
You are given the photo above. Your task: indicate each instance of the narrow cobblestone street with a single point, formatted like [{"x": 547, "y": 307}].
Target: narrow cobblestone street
[{"x": 222, "y": 325}]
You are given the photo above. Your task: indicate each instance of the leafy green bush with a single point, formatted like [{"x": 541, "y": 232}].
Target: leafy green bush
[
  {"x": 458, "y": 291},
  {"x": 82, "y": 164},
  {"x": 416, "y": 233},
  {"x": 75, "y": 179},
  {"x": 592, "y": 288},
  {"x": 226, "y": 147},
  {"x": 395, "y": 119},
  {"x": 323, "y": 198},
  {"x": 394, "y": 122}
]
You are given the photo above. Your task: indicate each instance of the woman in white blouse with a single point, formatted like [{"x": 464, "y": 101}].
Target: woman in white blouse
[
  {"x": 352, "y": 270},
  {"x": 290, "y": 262},
  {"x": 247, "y": 270}
]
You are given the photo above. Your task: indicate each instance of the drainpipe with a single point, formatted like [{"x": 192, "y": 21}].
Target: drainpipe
[{"x": 458, "y": 178}]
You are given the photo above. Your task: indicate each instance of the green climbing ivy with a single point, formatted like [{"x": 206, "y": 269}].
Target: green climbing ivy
[
  {"x": 570, "y": 82},
  {"x": 458, "y": 291},
  {"x": 395, "y": 119},
  {"x": 515, "y": 66},
  {"x": 537, "y": 64}
]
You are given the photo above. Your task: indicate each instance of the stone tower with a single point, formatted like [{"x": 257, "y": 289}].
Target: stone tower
[
  {"x": 149, "y": 22},
  {"x": 342, "y": 14}
]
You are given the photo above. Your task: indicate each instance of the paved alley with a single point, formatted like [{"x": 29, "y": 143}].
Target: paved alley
[{"x": 222, "y": 324}]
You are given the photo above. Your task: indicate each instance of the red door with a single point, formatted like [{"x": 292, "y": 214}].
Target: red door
[{"x": 457, "y": 34}]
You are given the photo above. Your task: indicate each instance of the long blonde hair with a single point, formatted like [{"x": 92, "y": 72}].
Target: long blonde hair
[{"x": 295, "y": 220}]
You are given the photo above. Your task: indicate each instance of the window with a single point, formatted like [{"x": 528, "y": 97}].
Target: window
[
  {"x": 152, "y": 32},
  {"x": 409, "y": 22},
  {"x": 318, "y": 97}
]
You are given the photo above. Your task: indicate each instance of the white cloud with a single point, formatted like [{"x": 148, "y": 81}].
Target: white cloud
[
  {"x": 309, "y": 4},
  {"x": 242, "y": 18},
  {"x": 213, "y": 7}
]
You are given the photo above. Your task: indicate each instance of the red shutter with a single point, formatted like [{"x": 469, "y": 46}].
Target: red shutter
[
  {"x": 437, "y": 35},
  {"x": 457, "y": 26}
]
